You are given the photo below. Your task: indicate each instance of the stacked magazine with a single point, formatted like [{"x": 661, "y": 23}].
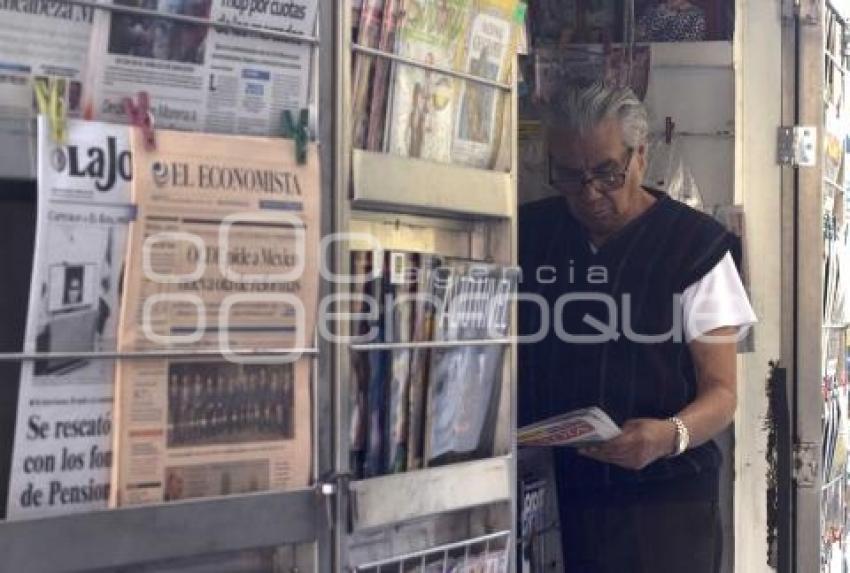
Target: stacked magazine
[
  {"x": 416, "y": 112},
  {"x": 415, "y": 407}
]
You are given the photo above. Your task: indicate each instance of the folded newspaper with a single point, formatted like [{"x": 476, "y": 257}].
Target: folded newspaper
[{"x": 574, "y": 428}]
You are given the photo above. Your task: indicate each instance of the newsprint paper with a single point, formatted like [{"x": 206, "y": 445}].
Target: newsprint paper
[
  {"x": 63, "y": 440},
  {"x": 223, "y": 255},
  {"x": 575, "y": 428},
  {"x": 200, "y": 77},
  {"x": 39, "y": 40}
]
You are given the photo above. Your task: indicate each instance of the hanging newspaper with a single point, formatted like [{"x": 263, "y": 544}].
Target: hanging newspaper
[
  {"x": 39, "y": 40},
  {"x": 63, "y": 443},
  {"x": 201, "y": 77},
  {"x": 223, "y": 256},
  {"x": 574, "y": 428},
  {"x": 490, "y": 45}
]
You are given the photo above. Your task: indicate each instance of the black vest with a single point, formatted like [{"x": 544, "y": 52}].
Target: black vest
[{"x": 634, "y": 362}]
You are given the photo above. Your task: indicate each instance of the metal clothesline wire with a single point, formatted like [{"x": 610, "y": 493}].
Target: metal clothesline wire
[
  {"x": 277, "y": 34},
  {"x": 154, "y": 354},
  {"x": 429, "y": 344}
]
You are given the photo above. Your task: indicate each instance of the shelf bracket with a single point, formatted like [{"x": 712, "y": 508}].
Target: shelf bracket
[
  {"x": 796, "y": 146},
  {"x": 806, "y": 466}
]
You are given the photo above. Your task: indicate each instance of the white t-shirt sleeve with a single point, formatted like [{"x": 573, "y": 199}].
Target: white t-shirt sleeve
[{"x": 717, "y": 300}]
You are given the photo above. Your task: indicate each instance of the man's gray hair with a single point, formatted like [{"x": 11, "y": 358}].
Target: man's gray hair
[{"x": 580, "y": 108}]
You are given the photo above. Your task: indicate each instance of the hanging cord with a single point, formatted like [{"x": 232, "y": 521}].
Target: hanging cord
[{"x": 629, "y": 38}]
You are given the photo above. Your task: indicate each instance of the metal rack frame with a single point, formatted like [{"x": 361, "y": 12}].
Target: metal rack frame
[
  {"x": 129, "y": 536},
  {"x": 442, "y": 554},
  {"x": 804, "y": 190},
  {"x": 383, "y": 503}
]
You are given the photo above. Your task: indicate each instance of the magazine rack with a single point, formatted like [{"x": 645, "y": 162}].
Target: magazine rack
[
  {"x": 339, "y": 524},
  {"x": 414, "y": 205}
]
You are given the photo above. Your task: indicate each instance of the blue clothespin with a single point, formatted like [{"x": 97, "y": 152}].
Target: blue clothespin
[
  {"x": 50, "y": 98},
  {"x": 297, "y": 132}
]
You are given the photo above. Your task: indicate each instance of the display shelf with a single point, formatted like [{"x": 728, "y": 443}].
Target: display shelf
[
  {"x": 390, "y": 182},
  {"x": 152, "y": 533},
  {"x": 407, "y": 496}
]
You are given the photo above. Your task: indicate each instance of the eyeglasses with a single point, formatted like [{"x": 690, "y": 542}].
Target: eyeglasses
[{"x": 572, "y": 181}]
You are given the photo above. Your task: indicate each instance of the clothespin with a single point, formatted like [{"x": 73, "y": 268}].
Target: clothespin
[
  {"x": 49, "y": 96},
  {"x": 297, "y": 132},
  {"x": 141, "y": 116},
  {"x": 669, "y": 126}
]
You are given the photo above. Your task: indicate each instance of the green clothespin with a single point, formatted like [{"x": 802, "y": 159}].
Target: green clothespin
[
  {"x": 50, "y": 98},
  {"x": 297, "y": 132}
]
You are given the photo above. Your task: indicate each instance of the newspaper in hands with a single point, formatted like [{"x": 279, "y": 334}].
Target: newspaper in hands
[{"x": 574, "y": 428}]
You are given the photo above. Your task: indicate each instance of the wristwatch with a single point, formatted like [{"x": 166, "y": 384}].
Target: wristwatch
[{"x": 682, "y": 436}]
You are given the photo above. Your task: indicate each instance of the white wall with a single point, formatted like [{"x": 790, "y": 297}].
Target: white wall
[
  {"x": 695, "y": 86},
  {"x": 758, "y": 50}
]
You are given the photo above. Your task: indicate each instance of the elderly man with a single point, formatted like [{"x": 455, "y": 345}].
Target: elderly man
[{"x": 645, "y": 305}]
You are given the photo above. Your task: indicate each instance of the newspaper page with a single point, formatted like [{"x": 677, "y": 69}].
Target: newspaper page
[
  {"x": 478, "y": 127},
  {"x": 63, "y": 440},
  {"x": 575, "y": 428},
  {"x": 39, "y": 39},
  {"x": 421, "y": 117},
  {"x": 223, "y": 255},
  {"x": 200, "y": 77}
]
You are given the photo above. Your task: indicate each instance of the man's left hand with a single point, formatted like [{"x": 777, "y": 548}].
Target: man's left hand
[{"x": 642, "y": 441}]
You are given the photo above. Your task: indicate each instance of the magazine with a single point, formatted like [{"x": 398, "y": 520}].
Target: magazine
[
  {"x": 63, "y": 438},
  {"x": 562, "y": 22},
  {"x": 574, "y": 428},
  {"x": 376, "y": 389},
  {"x": 440, "y": 118},
  {"x": 368, "y": 34},
  {"x": 223, "y": 256},
  {"x": 430, "y": 290},
  {"x": 201, "y": 77},
  {"x": 465, "y": 381},
  {"x": 402, "y": 279},
  {"x": 490, "y": 45},
  {"x": 539, "y": 528},
  {"x": 361, "y": 265},
  {"x": 393, "y": 15},
  {"x": 39, "y": 41},
  {"x": 421, "y": 116},
  {"x": 555, "y": 68}
]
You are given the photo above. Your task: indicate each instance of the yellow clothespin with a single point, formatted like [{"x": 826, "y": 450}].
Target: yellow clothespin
[{"x": 50, "y": 98}]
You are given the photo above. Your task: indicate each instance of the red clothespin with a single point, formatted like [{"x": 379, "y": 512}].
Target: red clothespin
[
  {"x": 141, "y": 116},
  {"x": 669, "y": 126}
]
